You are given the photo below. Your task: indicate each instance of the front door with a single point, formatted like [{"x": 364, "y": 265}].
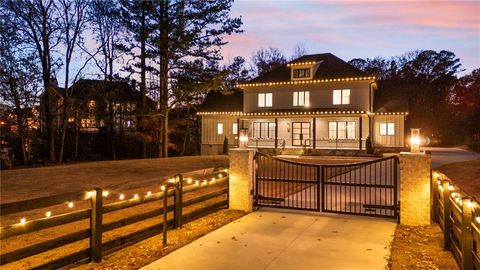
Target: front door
[{"x": 301, "y": 133}]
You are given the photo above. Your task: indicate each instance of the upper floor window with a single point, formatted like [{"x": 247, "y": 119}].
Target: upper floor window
[
  {"x": 341, "y": 97},
  {"x": 234, "y": 128},
  {"x": 299, "y": 73},
  {"x": 301, "y": 98},
  {"x": 387, "y": 129},
  {"x": 265, "y": 100},
  {"x": 91, "y": 106},
  {"x": 219, "y": 128}
]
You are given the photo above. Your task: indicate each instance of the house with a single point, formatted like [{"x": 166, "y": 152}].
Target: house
[{"x": 315, "y": 103}]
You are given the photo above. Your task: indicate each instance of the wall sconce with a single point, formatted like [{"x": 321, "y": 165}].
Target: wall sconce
[
  {"x": 243, "y": 138},
  {"x": 415, "y": 140}
]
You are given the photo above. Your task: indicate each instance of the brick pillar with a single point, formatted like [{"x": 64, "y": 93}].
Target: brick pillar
[
  {"x": 415, "y": 189},
  {"x": 241, "y": 179}
]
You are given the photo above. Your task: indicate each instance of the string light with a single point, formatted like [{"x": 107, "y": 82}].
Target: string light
[
  {"x": 162, "y": 187},
  {"x": 478, "y": 220},
  {"x": 149, "y": 194},
  {"x": 189, "y": 180},
  {"x": 23, "y": 220},
  {"x": 70, "y": 204},
  {"x": 48, "y": 214},
  {"x": 450, "y": 187},
  {"x": 213, "y": 179},
  {"x": 121, "y": 197},
  {"x": 305, "y": 81},
  {"x": 171, "y": 180},
  {"x": 197, "y": 182},
  {"x": 89, "y": 194},
  {"x": 470, "y": 203},
  {"x": 105, "y": 193},
  {"x": 204, "y": 182},
  {"x": 135, "y": 196},
  {"x": 220, "y": 175}
]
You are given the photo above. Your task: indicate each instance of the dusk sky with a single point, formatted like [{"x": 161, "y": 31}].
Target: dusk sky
[{"x": 352, "y": 29}]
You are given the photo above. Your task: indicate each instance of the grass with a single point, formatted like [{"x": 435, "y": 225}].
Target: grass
[
  {"x": 465, "y": 175},
  {"x": 21, "y": 184}
]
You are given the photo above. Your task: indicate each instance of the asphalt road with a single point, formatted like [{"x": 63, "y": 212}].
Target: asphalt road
[{"x": 446, "y": 155}]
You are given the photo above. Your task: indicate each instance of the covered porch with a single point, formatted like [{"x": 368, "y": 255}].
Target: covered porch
[{"x": 331, "y": 131}]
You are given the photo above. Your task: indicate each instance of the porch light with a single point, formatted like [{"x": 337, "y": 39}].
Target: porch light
[
  {"x": 243, "y": 138},
  {"x": 415, "y": 140}
]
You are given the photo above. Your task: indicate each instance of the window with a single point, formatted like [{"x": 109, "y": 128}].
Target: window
[
  {"x": 234, "y": 128},
  {"x": 265, "y": 100},
  {"x": 263, "y": 130},
  {"x": 301, "y": 73},
  {"x": 387, "y": 129},
  {"x": 301, "y": 133},
  {"x": 342, "y": 130},
  {"x": 219, "y": 128},
  {"x": 341, "y": 97},
  {"x": 301, "y": 98}
]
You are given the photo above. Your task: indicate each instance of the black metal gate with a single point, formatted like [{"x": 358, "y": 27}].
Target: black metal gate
[
  {"x": 286, "y": 184},
  {"x": 366, "y": 188}
]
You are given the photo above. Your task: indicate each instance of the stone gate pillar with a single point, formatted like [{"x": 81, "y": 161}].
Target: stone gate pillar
[
  {"x": 415, "y": 185},
  {"x": 241, "y": 179}
]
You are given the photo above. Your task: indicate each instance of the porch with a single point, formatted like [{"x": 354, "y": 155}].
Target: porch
[{"x": 317, "y": 132}]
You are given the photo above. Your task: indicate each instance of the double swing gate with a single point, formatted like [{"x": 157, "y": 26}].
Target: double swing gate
[{"x": 366, "y": 188}]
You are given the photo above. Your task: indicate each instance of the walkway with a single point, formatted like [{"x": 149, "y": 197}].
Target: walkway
[{"x": 274, "y": 239}]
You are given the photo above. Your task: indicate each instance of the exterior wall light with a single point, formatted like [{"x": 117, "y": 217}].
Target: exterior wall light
[
  {"x": 415, "y": 140},
  {"x": 243, "y": 138}
]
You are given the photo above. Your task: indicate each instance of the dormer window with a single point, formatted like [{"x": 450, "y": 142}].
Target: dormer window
[{"x": 299, "y": 73}]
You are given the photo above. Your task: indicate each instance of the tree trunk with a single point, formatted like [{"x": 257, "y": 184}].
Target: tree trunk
[
  {"x": 143, "y": 83},
  {"x": 164, "y": 59}
]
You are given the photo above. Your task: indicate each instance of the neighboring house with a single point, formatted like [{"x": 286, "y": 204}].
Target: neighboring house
[
  {"x": 311, "y": 104},
  {"x": 93, "y": 103}
]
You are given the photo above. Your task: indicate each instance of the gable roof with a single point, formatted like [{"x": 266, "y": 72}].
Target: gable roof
[
  {"x": 220, "y": 102},
  {"x": 330, "y": 67}
]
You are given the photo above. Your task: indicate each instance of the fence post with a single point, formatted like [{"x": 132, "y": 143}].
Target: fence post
[
  {"x": 447, "y": 208},
  {"x": 178, "y": 200},
  {"x": 165, "y": 212},
  {"x": 96, "y": 225},
  {"x": 467, "y": 236}
]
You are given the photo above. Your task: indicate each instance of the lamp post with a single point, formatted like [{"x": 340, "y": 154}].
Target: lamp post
[
  {"x": 243, "y": 138},
  {"x": 415, "y": 140}
]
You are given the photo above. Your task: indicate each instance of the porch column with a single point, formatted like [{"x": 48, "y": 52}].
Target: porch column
[
  {"x": 276, "y": 133},
  {"x": 360, "y": 133},
  {"x": 314, "y": 133}
]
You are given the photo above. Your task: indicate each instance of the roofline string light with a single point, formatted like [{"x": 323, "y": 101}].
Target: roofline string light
[
  {"x": 306, "y": 81},
  {"x": 301, "y": 63},
  {"x": 298, "y": 113}
]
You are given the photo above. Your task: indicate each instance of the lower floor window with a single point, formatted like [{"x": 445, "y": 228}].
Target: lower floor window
[
  {"x": 387, "y": 128},
  {"x": 301, "y": 133},
  {"x": 342, "y": 130},
  {"x": 263, "y": 130},
  {"x": 219, "y": 128},
  {"x": 234, "y": 128}
]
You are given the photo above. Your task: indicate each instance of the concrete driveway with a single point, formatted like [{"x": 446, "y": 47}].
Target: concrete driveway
[
  {"x": 446, "y": 155},
  {"x": 280, "y": 239}
]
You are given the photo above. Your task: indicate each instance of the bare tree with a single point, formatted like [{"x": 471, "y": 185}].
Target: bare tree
[
  {"x": 73, "y": 19},
  {"x": 36, "y": 23},
  {"x": 266, "y": 60},
  {"x": 299, "y": 50},
  {"x": 19, "y": 89}
]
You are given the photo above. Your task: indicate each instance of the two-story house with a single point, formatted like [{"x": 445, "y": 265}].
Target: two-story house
[{"x": 311, "y": 104}]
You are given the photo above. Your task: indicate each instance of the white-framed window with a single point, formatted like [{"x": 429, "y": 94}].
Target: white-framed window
[
  {"x": 341, "y": 96},
  {"x": 298, "y": 73},
  {"x": 234, "y": 128},
  {"x": 219, "y": 128},
  {"x": 387, "y": 128},
  {"x": 342, "y": 130},
  {"x": 301, "y": 98},
  {"x": 263, "y": 130},
  {"x": 265, "y": 100}
]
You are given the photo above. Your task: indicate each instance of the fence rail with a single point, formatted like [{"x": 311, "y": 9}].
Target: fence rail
[
  {"x": 96, "y": 211},
  {"x": 458, "y": 215}
]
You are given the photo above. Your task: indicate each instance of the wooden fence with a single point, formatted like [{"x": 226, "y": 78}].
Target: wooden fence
[
  {"x": 458, "y": 215},
  {"x": 176, "y": 187}
]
